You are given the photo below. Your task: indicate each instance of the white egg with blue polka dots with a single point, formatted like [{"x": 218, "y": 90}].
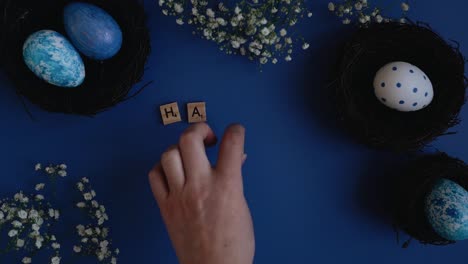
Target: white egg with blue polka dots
[{"x": 403, "y": 87}]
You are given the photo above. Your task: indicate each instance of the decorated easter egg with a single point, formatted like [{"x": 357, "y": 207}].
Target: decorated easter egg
[
  {"x": 52, "y": 58},
  {"x": 403, "y": 87},
  {"x": 92, "y": 30},
  {"x": 447, "y": 210}
]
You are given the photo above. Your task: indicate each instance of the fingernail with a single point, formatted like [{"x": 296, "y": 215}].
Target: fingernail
[{"x": 244, "y": 158}]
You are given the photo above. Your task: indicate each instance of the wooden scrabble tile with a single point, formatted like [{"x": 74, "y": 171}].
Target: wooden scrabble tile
[
  {"x": 170, "y": 113},
  {"x": 196, "y": 112}
]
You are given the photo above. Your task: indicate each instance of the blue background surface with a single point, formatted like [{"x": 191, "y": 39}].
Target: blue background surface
[{"x": 313, "y": 192}]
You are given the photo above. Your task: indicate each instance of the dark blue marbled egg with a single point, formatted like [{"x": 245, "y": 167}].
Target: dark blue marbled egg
[
  {"x": 53, "y": 58},
  {"x": 92, "y": 30},
  {"x": 447, "y": 210}
]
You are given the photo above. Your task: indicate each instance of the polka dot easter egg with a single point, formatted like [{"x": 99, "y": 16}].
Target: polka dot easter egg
[
  {"x": 403, "y": 87},
  {"x": 447, "y": 210}
]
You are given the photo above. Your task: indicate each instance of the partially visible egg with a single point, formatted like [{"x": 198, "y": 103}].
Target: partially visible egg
[
  {"x": 447, "y": 210},
  {"x": 93, "y": 31},
  {"x": 52, "y": 58},
  {"x": 403, "y": 87}
]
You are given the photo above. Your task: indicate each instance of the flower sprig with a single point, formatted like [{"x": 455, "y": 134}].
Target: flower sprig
[
  {"x": 29, "y": 219},
  {"x": 94, "y": 240},
  {"x": 261, "y": 31},
  {"x": 361, "y": 12}
]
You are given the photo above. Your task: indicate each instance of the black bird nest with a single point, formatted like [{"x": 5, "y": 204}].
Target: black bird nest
[
  {"x": 107, "y": 83},
  {"x": 414, "y": 184},
  {"x": 379, "y": 126}
]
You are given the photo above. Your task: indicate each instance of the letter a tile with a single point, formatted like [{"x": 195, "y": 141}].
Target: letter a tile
[{"x": 196, "y": 112}]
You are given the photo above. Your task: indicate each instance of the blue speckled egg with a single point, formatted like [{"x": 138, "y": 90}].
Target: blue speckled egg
[
  {"x": 52, "y": 58},
  {"x": 447, "y": 210},
  {"x": 92, "y": 30}
]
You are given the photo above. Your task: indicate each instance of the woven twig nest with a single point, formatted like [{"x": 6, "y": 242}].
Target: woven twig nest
[
  {"x": 415, "y": 183},
  {"x": 379, "y": 126},
  {"x": 107, "y": 83}
]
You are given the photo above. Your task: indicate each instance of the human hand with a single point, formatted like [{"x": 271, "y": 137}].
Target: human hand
[{"x": 204, "y": 207}]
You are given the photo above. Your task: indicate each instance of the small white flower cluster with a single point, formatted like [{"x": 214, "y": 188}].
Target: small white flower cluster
[
  {"x": 360, "y": 10},
  {"x": 29, "y": 221},
  {"x": 53, "y": 170},
  {"x": 259, "y": 31},
  {"x": 94, "y": 239}
]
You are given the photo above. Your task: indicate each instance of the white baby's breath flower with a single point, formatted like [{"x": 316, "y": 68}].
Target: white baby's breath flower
[
  {"x": 35, "y": 227},
  {"x": 161, "y": 2},
  {"x": 87, "y": 196},
  {"x": 288, "y": 40},
  {"x": 358, "y": 6},
  {"x": 274, "y": 61},
  {"x": 63, "y": 166},
  {"x": 165, "y": 12},
  {"x": 405, "y": 7},
  {"x": 283, "y": 32},
  {"x": 77, "y": 249},
  {"x": 265, "y": 31},
  {"x": 178, "y": 8},
  {"x": 55, "y": 260},
  {"x": 51, "y": 212},
  {"x": 22, "y": 214},
  {"x": 114, "y": 260},
  {"x": 38, "y": 243},
  {"x": 263, "y": 60},
  {"x": 56, "y": 214},
  {"x": 274, "y": 10},
  {"x": 55, "y": 245},
  {"x": 179, "y": 21},
  {"x": 39, "y": 197},
  {"x": 85, "y": 180},
  {"x": 16, "y": 224},
  {"x": 210, "y": 12},
  {"x": 50, "y": 170},
  {"x": 39, "y": 186},
  {"x": 81, "y": 205},
  {"x": 26, "y": 260},
  {"x": 378, "y": 19},
  {"x": 331, "y": 6},
  {"x": 20, "y": 243},
  {"x": 62, "y": 173},
  {"x": 288, "y": 58},
  {"x": 310, "y": 14},
  {"x": 38, "y": 167},
  {"x": 402, "y": 20},
  {"x": 89, "y": 231},
  {"x": 33, "y": 214},
  {"x": 2, "y": 215},
  {"x": 235, "y": 44},
  {"x": 346, "y": 21}
]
